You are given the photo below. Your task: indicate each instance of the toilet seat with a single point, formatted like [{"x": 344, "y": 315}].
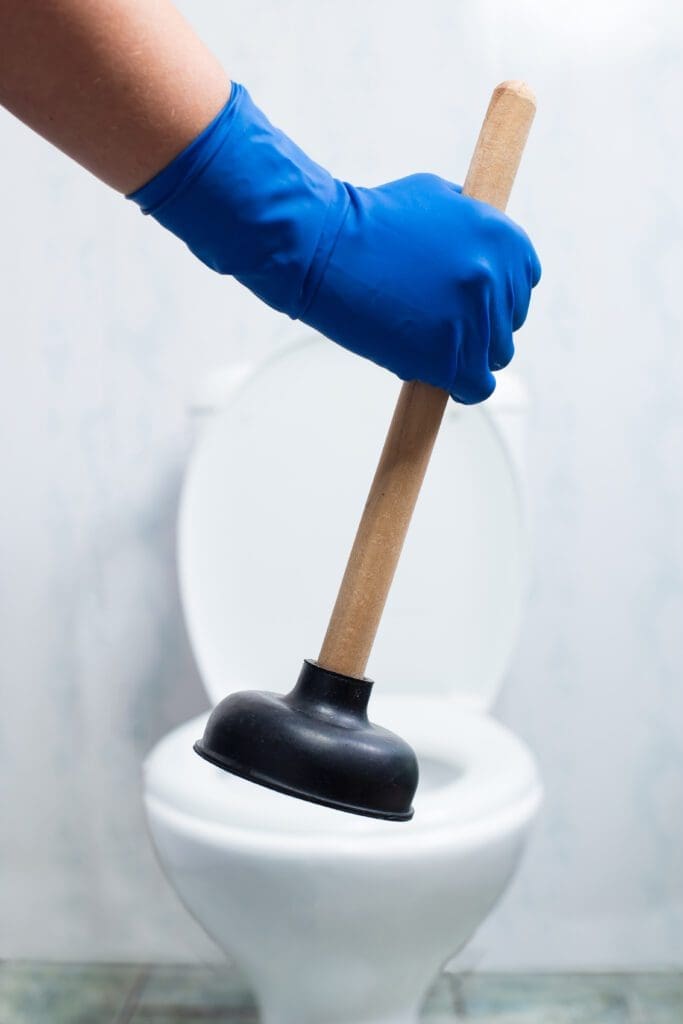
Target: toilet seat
[
  {"x": 472, "y": 770},
  {"x": 267, "y": 515}
]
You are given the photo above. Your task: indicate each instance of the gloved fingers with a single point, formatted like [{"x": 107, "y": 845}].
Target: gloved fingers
[
  {"x": 471, "y": 391},
  {"x": 525, "y": 256},
  {"x": 522, "y": 298},
  {"x": 501, "y": 345},
  {"x": 523, "y": 273},
  {"x": 473, "y": 380},
  {"x": 521, "y": 286},
  {"x": 535, "y": 269}
]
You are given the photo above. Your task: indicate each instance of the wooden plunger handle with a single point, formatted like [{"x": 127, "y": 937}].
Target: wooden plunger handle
[{"x": 416, "y": 420}]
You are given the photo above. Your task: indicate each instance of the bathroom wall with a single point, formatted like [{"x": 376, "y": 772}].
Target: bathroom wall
[{"x": 107, "y": 326}]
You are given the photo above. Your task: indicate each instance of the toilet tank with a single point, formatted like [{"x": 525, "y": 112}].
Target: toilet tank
[{"x": 281, "y": 461}]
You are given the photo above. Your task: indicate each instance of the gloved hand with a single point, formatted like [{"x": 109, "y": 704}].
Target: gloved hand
[{"x": 417, "y": 277}]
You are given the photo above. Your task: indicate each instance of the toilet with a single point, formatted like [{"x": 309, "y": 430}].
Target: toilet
[{"x": 337, "y": 918}]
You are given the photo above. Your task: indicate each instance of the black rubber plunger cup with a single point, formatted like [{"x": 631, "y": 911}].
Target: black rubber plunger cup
[{"x": 316, "y": 742}]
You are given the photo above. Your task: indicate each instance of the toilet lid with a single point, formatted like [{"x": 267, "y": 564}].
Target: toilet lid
[{"x": 273, "y": 493}]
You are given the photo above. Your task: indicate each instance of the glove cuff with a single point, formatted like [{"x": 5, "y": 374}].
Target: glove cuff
[{"x": 248, "y": 202}]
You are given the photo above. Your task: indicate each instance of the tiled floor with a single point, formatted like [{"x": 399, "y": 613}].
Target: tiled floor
[{"x": 94, "y": 994}]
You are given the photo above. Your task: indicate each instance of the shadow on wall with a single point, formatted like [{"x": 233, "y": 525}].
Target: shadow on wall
[
  {"x": 113, "y": 674},
  {"x": 131, "y": 606}
]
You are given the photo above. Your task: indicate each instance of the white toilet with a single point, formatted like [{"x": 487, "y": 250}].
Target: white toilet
[{"x": 337, "y": 918}]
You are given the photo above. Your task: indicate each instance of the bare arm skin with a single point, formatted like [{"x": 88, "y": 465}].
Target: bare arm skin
[{"x": 122, "y": 86}]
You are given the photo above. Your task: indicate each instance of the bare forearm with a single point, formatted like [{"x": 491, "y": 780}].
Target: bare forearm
[{"x": 122, "y": 86}]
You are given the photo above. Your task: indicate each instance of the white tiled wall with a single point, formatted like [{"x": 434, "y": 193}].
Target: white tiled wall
[{"x": 106, "y": 324}]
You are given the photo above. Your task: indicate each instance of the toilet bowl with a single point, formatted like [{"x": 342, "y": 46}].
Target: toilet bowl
[{"x": 336, "y": 917}]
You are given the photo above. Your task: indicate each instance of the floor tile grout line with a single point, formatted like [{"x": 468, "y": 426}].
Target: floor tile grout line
[
  {"x": 455, "y": 988},
  {"x": 132, "y": 1000},
  {"x": 636, "y": 1012}
]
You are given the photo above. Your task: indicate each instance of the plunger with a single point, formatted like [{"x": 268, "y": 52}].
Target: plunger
[{"x": 316, "y": 742}]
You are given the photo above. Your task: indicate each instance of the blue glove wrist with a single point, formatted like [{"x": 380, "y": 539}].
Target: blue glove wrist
[{"x": 248, "y": 202}]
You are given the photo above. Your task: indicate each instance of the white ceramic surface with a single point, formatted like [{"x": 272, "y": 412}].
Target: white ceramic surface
[{"x": 339, "y": 919}]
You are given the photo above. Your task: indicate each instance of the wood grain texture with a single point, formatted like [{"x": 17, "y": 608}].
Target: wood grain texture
[{"x": 416, "y": 421}]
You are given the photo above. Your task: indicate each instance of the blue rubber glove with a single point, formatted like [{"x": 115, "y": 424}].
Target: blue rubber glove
[{"x": 417, "y": 277}]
